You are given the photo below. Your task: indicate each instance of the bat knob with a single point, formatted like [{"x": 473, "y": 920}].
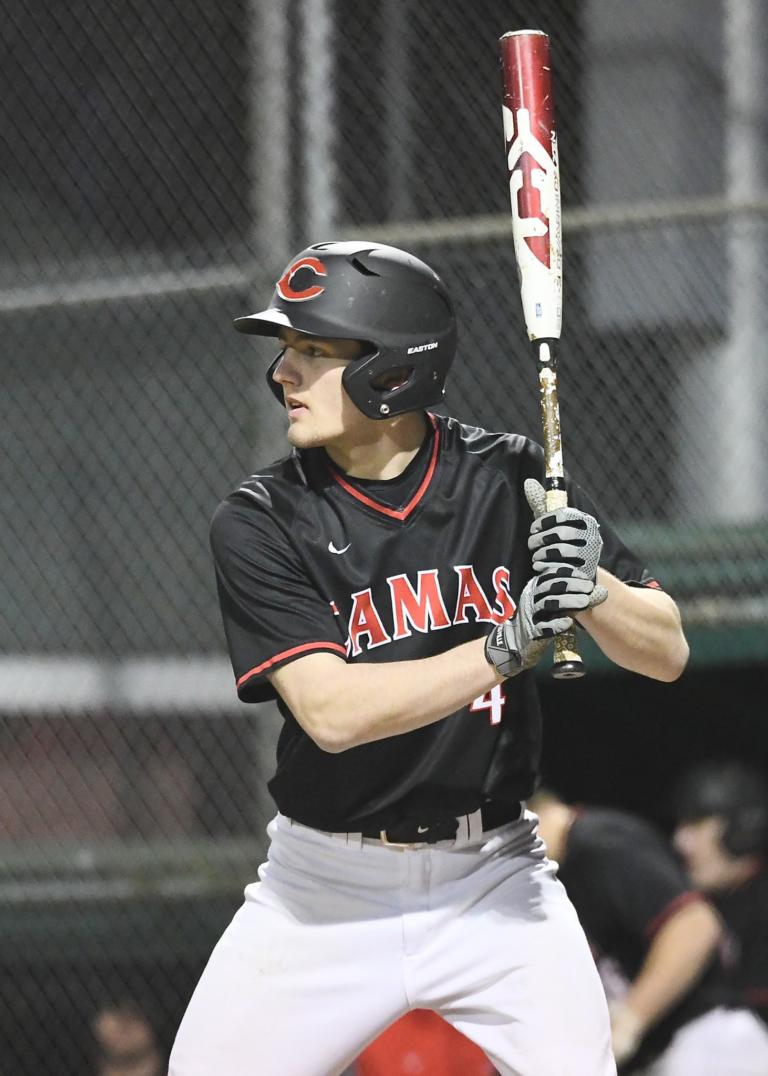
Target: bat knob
[{"x": 568, "y": 670}]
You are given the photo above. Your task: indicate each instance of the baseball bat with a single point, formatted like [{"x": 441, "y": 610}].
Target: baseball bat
[{"x": 534, "y": 186}]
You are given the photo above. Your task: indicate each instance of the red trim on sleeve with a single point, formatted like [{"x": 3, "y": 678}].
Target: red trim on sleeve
[
  {"x": 401, "y": 513},
  {"x": 655, "y": 925},
  {"x": 288, "y": 654}
]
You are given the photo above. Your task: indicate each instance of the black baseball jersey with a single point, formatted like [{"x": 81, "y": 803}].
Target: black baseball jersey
[
  {"x": 624, "y": 882},
  {"x": 308, "y": 559},
  {"x": 745, "y": 914}
]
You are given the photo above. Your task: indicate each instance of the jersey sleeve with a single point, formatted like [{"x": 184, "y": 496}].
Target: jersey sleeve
[{"x": 271, "y": 611}]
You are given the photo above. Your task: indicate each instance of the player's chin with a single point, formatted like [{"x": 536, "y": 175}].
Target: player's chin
[{"x": 303, "y": 435}]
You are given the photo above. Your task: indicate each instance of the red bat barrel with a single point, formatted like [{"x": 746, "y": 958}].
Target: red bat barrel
[{"x": 528, "y": 85}]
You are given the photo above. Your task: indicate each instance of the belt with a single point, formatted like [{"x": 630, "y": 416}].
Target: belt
[{"x": 405, "y": 834}]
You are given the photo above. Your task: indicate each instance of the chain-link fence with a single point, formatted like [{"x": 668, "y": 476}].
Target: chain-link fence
[{"x": 161, "y": 162}]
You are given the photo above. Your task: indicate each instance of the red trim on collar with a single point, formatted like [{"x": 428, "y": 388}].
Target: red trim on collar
[{"x": 397, "y": 513}]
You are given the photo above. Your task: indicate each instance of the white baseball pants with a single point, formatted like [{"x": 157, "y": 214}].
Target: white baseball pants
[{"x": 341, "y": 936}]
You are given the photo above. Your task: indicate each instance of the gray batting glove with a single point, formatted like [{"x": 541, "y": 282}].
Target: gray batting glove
[
  {"x": 545, "y": 609},
  {"x": 565, "y": 536}
]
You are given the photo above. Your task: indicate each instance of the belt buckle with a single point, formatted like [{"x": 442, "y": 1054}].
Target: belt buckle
[{"x": 399, "y": 844}]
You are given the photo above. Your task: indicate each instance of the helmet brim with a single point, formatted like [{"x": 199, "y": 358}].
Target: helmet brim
[
  {"x": 269, "y": 322},
  {"x": 265, "y": 323}
]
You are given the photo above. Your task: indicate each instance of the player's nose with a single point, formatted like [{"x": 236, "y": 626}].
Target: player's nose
[{"x": 286, "y": 372}]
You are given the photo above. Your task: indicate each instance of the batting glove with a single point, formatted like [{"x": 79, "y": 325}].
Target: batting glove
[
  {"x": 545, "y": 609},
  {"x": 565, "y": 536}
]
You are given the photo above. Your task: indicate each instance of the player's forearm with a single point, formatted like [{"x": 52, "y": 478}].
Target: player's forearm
[
  {"x": 345, "y": 705},
  {"x": 639, "y": 629},
  {"x": 675, "y": 961}
]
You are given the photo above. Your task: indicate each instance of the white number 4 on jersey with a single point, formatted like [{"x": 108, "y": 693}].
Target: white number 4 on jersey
[{"x": 492, "y": 701}]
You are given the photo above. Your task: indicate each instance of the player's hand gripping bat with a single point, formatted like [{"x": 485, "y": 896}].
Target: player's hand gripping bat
[{"x": 534, "y": 186}]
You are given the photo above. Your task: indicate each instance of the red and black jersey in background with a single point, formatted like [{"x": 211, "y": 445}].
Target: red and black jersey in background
[
  {"x": 625, "y": 883},
  {"x": 745, "y": 913},
  {"x": 308, "y": 559}
]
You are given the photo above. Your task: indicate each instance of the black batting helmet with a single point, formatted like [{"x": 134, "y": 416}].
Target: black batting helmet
[
  {"x": 391, "y": 301},
  {"x": 732, "y": 791}
]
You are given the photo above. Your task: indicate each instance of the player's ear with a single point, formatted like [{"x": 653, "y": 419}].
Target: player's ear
[{"x": 392, "y": 379}]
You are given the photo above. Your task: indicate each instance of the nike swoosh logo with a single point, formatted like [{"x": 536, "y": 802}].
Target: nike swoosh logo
[
  {"x": 333, "y": 548},
  {"x": 422, "y": 829}
]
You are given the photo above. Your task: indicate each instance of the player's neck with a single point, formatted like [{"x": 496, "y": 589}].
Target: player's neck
[{"x": 391, "y": 447}]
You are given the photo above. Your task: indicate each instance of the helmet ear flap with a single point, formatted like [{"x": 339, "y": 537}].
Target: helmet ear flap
[{"x": 272, "y": 384}]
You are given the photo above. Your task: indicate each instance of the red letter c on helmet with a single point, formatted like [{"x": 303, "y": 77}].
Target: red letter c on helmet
[{"x": 284, "y": 283}]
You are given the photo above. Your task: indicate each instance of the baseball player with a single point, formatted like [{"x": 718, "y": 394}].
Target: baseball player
[
  {"x": 391, "y": 582},
  {"x": 672, "y": 1012},
  {"x": 721, "y": 832}
]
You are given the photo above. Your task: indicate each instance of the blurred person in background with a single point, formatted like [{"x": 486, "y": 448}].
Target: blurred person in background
[
  {"x": 657, "y": 944},
  {"x": 721, "y": 831},
  {"x": 126, "y": 1041}
]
